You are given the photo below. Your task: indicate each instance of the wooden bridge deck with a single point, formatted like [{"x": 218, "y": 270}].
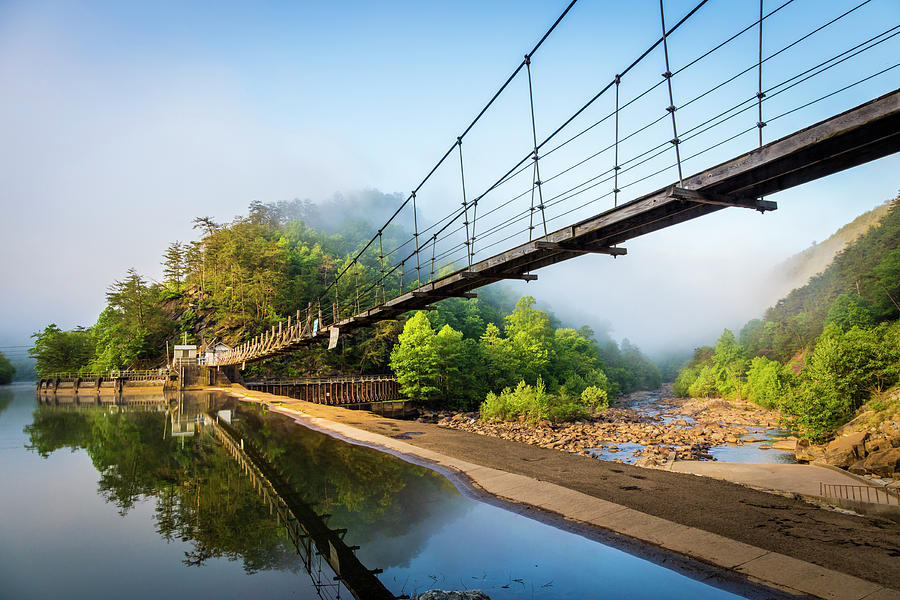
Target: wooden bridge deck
[{"x": 862, "y": 134}]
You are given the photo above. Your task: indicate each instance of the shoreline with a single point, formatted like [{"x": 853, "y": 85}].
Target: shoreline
[{"x": 525, "y": 480}]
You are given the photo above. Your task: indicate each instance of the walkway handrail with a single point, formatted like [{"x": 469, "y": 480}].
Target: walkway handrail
[
  {"x": 339, "y": 379},
  {"x": 860, "y": 493},
  {"x": 107, "y": 374}
]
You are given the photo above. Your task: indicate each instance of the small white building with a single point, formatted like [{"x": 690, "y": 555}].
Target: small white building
[
  {"x": 185, "y": 354},
  {"x": 215, "y": 351}
]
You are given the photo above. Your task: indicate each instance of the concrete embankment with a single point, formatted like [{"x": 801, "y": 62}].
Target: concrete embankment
[{"x": 765, "y": 545}]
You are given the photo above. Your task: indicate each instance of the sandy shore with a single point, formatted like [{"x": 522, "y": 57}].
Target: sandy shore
[{"x": 753, "y": 536}]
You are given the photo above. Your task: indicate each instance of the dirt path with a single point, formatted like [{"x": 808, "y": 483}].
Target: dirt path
[{"x": 866, "y": 548}]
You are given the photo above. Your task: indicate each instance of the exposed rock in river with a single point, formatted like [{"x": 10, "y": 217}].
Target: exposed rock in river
[{"x": 677, "y": 429}]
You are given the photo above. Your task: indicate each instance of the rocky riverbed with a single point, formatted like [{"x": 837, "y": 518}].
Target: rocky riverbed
[{"x": 646, "y": 428}]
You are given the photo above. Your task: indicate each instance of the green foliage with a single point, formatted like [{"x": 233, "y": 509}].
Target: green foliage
[
  {"x": 768, "y": 382},
  {"x": 414, "y": 360},
  {"x": 729, "y": 362},
  {"x": 847, "y": 311},
  {"x": 594, "y": 398},
  {"x": 627, "y": 368},
  {"x": 7, "y": 371},
  {"x": 55, "y": 350},
  {"x": 714, "y": 372},
  {"x": 438, "y": 366},
  {"x": 867, "y": 268},
  {"x": 467, "y": 316},
  {"x": 843, "y": 370},
  {"x": 531, "y": 403},
  {"x": 704, "y": 386},
  {"x": 686, "y": 377}
]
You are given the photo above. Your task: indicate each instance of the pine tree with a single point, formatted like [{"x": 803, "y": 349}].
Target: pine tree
[{"x": 173, "y": 265}]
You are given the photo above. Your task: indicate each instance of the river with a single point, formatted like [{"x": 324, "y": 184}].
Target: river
[{"x": 143, "y": 501}]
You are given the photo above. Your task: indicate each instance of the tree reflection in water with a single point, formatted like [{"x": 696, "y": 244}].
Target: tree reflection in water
[{"x": 390, "y": 508}]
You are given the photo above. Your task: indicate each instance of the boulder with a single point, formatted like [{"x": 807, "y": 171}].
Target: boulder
[
  {"x": 808, "y": 453},
  {"x": 884, "y": 463},
  {"x": 858, "y": 468},
  {"x": 790, "y": 445},
  {"x": 846, "y": 450},
  {"x": 878, "y": 444}
]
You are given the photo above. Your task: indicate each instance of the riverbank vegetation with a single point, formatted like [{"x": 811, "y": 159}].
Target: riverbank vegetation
[
  {"x": 7, "y": 371},
  {"x": 239, "y": 279},
  {"x": 824, "y": 350},
  {"x": 530, "y": 369}
]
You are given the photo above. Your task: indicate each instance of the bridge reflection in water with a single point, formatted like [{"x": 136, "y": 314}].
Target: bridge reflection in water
[
  {"x": 331, "y": 563},
  {"x": 308, "y": 531}
]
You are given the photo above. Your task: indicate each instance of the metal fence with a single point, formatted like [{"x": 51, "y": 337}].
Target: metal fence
[{"x": 860, "y": 493}]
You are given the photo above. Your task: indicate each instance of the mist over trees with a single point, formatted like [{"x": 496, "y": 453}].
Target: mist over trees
[
  {"x": 822, "y": 351},
  {"x": 238, "y": 279}
]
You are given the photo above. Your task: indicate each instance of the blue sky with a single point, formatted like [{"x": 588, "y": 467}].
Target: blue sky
[{"x": 123, "y": 121}]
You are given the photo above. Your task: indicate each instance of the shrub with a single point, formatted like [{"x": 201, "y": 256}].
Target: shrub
[
  {"x": 529, "y": 402},
  {"x": 767, "y": 382},
  {"x": 494, "y": 407},
  {"x": 594, "y": 399},
  {"x": 563, "y": 411},
  {"x": 533, "y": 403}
]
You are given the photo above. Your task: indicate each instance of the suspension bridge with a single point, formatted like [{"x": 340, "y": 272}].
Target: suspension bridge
[{"x": 614, "y": 169}]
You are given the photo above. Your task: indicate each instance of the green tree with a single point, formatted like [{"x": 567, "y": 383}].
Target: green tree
[
  {"x": 841, "y": 372},
  {"x": 56, "y": 350},
  {"x": 729, "y": 362},
  {"x": 7, "y": 371},
  {"x": 768, "y": 382},
  {"x": 174, "y": 265},
  {"x": 848, "y": 310},
  {"x": 414, "y": 360}
]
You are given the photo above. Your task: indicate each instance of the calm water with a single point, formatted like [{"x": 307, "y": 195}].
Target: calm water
[{"x": 144, "y": 502}]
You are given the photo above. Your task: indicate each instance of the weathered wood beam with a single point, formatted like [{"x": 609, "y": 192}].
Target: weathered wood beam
[
  {"x": 721, "y": 199},
  {"x": 440, "y": 296},
  {"x": 496, "y": 276},
  {"x": 562, "y": 247}
]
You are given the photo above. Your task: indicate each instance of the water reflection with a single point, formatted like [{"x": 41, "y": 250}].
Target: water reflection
[{"x": 176, "y": 488}]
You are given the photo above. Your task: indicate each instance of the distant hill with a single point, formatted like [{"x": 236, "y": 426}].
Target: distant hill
[
  {"x": 796, "y": 271},
  {"x": 864, "y": 266}
]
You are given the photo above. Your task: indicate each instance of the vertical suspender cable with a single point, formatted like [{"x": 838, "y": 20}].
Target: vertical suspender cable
[
  {"x": 759, "y": 93},
  {"x": 671, "y": 107},
  {"x": 416, "y": 235},
  {"x": 616, "y": 167},
  {"x": 462, "y": 175},
  {"x": 433, "y": 246},
  {"x": 381, "y": 263},
  {"x": 537, "y": 170}
]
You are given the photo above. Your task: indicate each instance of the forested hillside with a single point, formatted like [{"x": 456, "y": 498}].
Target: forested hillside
[
  {"x": 796, "y": 271},
  {"x": 825, "y": 348},
  {"x": 238, "y": 279}
]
